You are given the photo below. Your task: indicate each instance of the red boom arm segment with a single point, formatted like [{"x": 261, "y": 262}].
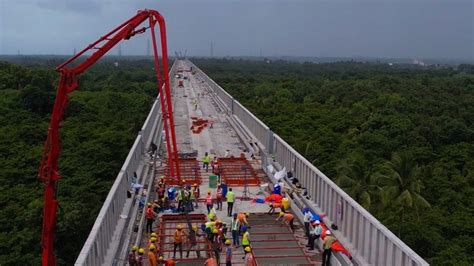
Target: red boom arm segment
[{"x": 48, "y": 171}]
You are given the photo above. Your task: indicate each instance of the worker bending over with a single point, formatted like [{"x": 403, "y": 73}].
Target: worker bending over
[
  {"x": 288, "y": 218},
  {"x": 327, "y": 248}
]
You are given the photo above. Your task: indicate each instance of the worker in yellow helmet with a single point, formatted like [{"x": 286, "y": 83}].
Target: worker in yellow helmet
[
  {"x": 192, "y": 237},
  {"x": 228, "y": 252},
  {"x": 178, "y": 240},
  {"x": 249, "y": 260},
  {"x": 288, "y": 218},
  {"x": 140, "y": 257},
  {"x": 152, "y": 255},
  {"x": 132, "y": 256}
]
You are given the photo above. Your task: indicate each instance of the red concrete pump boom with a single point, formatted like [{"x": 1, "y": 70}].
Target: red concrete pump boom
[{"x": 48, "y": 171}]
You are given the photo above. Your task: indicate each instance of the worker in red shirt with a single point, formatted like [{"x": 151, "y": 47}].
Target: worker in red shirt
[
  {"x": 288, "y": 218},
  {"x": 150, "y": 218}
]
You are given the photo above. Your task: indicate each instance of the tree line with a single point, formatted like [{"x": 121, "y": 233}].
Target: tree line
[{"x": 398, "y": 139}]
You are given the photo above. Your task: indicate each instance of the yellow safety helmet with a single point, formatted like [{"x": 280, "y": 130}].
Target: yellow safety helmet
[
  {"x": 227, "y": 242},
  {"x": 134, "y": 248},
  {"x": 141, "y": 251},
  {"x": 282, "y": 213},
  {"x": 149, "y": 204},
  {"x": 195, "y": 228},
  {"x": 215, "y": 231},
  {"x": 160, "y": 258},
  {"x": 151, "y": 247},
  {"x": 247, "y": 214},
  {"x": 153, "y": 234},
  {"x": 153, "y": 239},
  {"x": 247, "y": 249},
  {"x": 179, "y": 227}
]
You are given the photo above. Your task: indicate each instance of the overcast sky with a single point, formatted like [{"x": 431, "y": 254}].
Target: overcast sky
[{"x": 340, "y": 28}]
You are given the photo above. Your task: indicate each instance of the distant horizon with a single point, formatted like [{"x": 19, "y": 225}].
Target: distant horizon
[{"x": 359, "y": 57}]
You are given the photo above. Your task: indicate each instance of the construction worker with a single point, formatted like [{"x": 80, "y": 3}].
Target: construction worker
[
  {"x": 192, "y": 237},
  {"x": 132, "y": 256},
  {"x": 288, "y": 218},
  {"x": 249, "y": 260},
  {"x": 245, "y": 238},
  {"x": 327, "y": 247},
  {"x": 306, "y": 219},
  {"x": 205, "y": 161},
  {"x": 228, "y": 253},
  {"x": 230, "y": 201},
  {"x": 217, "y": 244},
  {"x": 140, "y": 257},
  {"x": 219, "y": 197},
  {"x": 210, "y": 261},
  {"x": 197, "y": 193},
  {"x": 234, "y": 227},
  {"x": 168, "y": 262},
  {"x": 314, "y": 234},
  {"x": 190, "y": 199},
  {"x": 209, "y": 202},
  {"x": 273, "y": 206},
  {"x": 178, "y": 241},
  {"x": 242, "y": 217},
  {"x": 152, "y": 259},
  {"x": 150, "y": 218},
  {"x": 181, "y": 197}
]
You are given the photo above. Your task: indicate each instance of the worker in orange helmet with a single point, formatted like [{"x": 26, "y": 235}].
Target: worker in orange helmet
[
  {"x": 152, "y": 256},
  {"x": 288, "y": 218}
]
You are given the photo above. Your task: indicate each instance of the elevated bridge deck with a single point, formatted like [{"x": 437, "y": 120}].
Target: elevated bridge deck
[{"x": 235, "y": 132}]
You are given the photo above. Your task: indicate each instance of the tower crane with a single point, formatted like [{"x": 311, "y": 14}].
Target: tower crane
[{"x": 68, "y": 82}]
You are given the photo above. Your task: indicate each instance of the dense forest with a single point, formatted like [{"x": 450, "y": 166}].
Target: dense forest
[
  {"x": 101, "y": 123},
  {"x": 399, "y": 139}
]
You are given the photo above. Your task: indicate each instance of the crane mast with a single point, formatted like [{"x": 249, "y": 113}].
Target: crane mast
[{"x": 49, "y": 170}]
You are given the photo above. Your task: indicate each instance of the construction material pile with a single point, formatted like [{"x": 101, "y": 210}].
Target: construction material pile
[{"x": 198, "y": 124}]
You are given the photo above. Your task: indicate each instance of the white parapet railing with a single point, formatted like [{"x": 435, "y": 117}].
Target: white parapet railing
[
  {"x": 369, "y": 241},
  {"x": 107, "y": 224}
]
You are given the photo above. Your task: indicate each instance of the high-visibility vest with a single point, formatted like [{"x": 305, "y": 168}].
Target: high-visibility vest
[
  {"x": 245, "y": 239},
  {"x": 235, "y": 225},
  {"x": 230, "y": 196},
  {"x": 209, "y": 200},
  {"x": 206, "y": 159},
  {"x": 181, "y": 194}
]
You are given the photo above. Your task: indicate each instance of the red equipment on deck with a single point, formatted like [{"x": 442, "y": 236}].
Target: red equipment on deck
[{"x": 48, "y": 170}]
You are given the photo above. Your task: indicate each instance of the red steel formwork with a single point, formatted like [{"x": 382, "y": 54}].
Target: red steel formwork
[
  {"x": 189, "y": 170},
  {"x": 166, "y": 229},
  {"x": 237, "y": 172},
  {"x": 274, "y": 244}
]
